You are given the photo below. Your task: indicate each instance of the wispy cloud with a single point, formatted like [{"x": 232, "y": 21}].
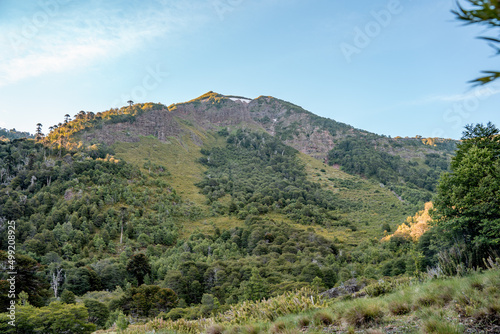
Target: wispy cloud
[
  {"x": 481, "y": 92},
  {"x": 64, "y": 38},
  {"x": 477, "y": 93}
]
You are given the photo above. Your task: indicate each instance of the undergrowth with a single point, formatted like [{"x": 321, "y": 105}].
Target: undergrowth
[{"x": 454, "y": 305}]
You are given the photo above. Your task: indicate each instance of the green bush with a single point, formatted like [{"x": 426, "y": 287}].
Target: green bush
[
  {"x": 98, "y": 312},
  {"x": 55, "y": 318}
]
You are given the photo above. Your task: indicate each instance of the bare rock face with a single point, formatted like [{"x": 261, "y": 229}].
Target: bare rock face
[{"x": 297, "y": 127}]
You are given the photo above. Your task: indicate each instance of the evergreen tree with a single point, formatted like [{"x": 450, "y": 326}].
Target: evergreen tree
[
  {"x": 467, "y": 206},
  {"x": 138, "y": 266}
]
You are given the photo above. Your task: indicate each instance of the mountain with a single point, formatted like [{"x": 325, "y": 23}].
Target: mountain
[
  {"x": 219, "y": 198},
  {"x": 408, "y": 166}
]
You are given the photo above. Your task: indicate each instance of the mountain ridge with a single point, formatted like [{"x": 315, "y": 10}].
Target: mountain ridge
[
  {"x": 299, "y": 128},
  {"x": 408, "y": 159}
]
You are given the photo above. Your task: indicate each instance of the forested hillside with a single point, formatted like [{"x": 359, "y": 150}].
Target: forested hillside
[
  {"x": 6, "y": 134},
  {"x": 205, "y": 205},
  {"x": 410, "y": 167}
]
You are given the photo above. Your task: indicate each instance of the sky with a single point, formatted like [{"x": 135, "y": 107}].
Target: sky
[{"x": 392, "y": 67}]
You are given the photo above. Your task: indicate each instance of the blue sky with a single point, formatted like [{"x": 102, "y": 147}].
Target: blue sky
[{"x": 393, "y": 67}]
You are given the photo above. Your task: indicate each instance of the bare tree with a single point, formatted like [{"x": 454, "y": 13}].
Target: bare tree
[{"x": 56, "y": 278}]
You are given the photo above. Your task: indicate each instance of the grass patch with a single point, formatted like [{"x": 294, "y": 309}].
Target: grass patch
[
  {"x": 278, "y": 327},
  {"x": 399, "y": 307},
  {"x": 436, "y": 325},
  {"x": 304, "y": 322},
  {"x": 323, "y": 319},
  {"x": 364, "y": 314},
  {"x": 476, "y": 309},
  {"x": 215, "y": 329}
]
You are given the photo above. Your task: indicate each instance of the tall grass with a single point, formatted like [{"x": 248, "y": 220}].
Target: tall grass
[{"x": 453, "y": 305}]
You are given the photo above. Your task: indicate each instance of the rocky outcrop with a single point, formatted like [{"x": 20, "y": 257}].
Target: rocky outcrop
[
  {"x": 349, "y": 287},
  {"x": 211, "y": 112}
]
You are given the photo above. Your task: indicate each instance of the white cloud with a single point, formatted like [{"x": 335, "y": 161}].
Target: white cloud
[
  {"x": 477, "y": 93},
  {"x": 73, "y": 37}
]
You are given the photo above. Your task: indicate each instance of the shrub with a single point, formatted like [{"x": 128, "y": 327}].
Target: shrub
[
  {"x": 364, "y": 314},
  {"x": 324, "y": 319},
  {"x": 215, "y": 329},
  {"x": 54, "y": 318},
  {"x": 278, "y": 327},
  {"x": 176, "y": 313},
  {"x": 304, "y": 322},
  {"x": 436, "y": 325},
  {"x": 426, "y": 300},
  {"x": 489, "y": 314},
  {"x": 399, "y": 308},
  {"x": 251, "y": 330}
]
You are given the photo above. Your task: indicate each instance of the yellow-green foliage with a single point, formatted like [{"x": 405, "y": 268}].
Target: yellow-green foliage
[
  {"x": 62, "y": 134},
  {"x": 270, "y": 309},
  {"x": 244, "y": 313},
  {"x": 473, "y": 299}
]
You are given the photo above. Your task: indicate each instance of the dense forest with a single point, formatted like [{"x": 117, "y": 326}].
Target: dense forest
[
  {"x": 6, "y": 134},
  {"x": 261, "y": 174},
  {"x": 87, "y": 221},
  {"x": 112, "y": 241},
  {"x": 373, "y": 156}
]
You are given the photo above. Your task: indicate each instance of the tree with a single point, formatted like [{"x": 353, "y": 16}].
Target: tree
[
  {"x": 486, "y": 13},
  {"x": 82, "y": 280},
  {"x": 121, "y": 322},
  {"x": 148, "y": 300},
  {"x": 130, "y": 102},
  {"x": 55, "y": 318},
  {"x": 39, "y": 133},
  {"x": 68, "y": 297},
  {"x": 81, "y": 115},
  {"x": 56, "y": 277},
  {"x": 98, "y": 312},
  {"x": 138, "y": 266},
  {"x": 467, "y": 205},
  {"x": 67, "y": 118},
  {"x": 255, "y": 288},
  {"x": 29, "y": 278}
]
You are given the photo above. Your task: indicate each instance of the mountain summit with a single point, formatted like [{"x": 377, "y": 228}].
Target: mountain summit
[{"x": 294, "y": 125}]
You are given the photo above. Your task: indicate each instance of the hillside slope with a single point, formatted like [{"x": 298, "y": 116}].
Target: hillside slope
[
  {"x": 220, "y": 198},
  {"x": 410, "y": 167}
]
